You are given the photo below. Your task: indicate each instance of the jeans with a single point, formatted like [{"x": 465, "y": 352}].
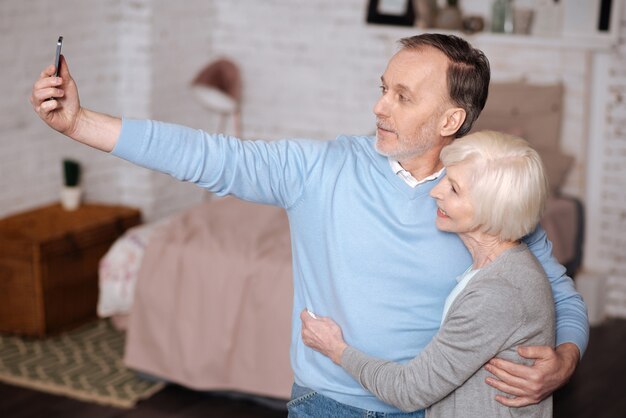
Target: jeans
[{"x": 306, "y": 403}]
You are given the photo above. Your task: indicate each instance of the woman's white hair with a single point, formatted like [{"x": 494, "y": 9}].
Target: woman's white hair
[{"x": 508, "y": 185}]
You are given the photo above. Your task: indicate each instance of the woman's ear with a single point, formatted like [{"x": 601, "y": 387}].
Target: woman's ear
[{"x": 452, "y": 121}]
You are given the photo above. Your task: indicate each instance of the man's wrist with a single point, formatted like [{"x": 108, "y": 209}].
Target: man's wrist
[
  {"x": 98, "y": 130},
  {"x": 570, "y": 355},
  {"x": 75, "y": 128}
]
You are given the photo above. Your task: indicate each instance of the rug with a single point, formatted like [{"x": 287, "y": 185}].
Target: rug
[{"x": 84, "y": 364}]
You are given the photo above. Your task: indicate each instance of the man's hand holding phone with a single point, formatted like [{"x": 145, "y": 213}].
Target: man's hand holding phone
[
  {"x": 55, "y": 95},
  {"x": 55, "y": 99}
]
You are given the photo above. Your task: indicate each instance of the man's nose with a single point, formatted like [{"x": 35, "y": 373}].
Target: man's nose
[{"x": 381, "y": 108}]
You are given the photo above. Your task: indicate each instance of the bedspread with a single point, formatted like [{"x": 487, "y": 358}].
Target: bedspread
[{"x": 212, "y": 308}]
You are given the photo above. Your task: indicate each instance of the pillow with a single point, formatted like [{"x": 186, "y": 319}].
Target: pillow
[
  {"x": 557, "y": 166},
  {"x": 533, "y": 110}
]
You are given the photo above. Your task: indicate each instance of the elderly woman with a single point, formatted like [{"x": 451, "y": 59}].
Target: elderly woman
[{"x": 492, "y": 195}]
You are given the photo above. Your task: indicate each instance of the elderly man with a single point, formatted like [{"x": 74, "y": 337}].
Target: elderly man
[{"x": 365, "y": 247}]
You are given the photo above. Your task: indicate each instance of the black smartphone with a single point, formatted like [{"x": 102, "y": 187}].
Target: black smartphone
[{"x": 57, "y": 57}]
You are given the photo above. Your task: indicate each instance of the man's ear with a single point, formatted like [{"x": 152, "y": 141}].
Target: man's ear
[{"x": 452, "y": 121}]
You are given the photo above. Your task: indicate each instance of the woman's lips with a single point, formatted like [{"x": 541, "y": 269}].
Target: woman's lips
[{"x": 441, "y": 213}]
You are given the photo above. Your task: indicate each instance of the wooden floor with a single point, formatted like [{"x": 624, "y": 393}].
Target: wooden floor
[{"x": 597, "y": 390}]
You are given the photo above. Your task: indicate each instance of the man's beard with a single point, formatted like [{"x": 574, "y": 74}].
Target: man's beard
[{"x": 407, "y": 147}]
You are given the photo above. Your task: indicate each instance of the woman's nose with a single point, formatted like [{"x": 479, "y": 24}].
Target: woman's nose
[{"x": 435, "y": 192}]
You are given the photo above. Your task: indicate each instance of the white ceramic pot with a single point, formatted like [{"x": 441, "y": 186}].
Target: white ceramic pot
[{"x": 70, "y": 197}]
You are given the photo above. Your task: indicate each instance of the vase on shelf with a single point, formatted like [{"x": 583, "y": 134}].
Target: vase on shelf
[
  {"x": 449, "y": 17},
  {"x": 426, "y": 12},
  {"x": 522, "y": 20},
  {"x": 502, "y": 16}
]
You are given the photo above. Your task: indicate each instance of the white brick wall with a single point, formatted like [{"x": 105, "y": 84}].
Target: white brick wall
[
  {"x": 30, "y": 161},
  {"x": 612, "y": 253},
  {"x": 309, "y": 68},
  {"x": 126, "y": 59}
]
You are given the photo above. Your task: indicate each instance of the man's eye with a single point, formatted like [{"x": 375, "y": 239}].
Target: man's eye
[{"x": 383, "y": 89}]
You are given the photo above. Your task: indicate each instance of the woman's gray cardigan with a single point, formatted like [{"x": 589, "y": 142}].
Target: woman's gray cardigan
[{"x": 506, "y": 304}]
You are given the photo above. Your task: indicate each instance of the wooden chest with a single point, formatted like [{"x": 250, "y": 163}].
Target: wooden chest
[{"x": 49, "y": 265}]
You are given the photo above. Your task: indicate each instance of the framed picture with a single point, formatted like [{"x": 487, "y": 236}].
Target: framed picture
[
  {"x": 391, "y": 12},
  {"x": 589, "y": 17},
  {"x": 604, "y": 19}
]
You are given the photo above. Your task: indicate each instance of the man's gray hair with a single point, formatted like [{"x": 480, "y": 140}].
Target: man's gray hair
[{"x": 468, "y": 73}]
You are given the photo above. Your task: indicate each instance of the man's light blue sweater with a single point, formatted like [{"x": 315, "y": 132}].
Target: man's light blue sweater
[{"x": 365, "y": 248}]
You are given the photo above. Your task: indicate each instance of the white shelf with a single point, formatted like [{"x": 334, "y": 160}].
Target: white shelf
[
  {"x": 595, "y": 42},
  {"x": 590, "y": 42}
]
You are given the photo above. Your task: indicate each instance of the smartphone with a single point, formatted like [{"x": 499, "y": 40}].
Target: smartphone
[{"x": 57, "y": 57}]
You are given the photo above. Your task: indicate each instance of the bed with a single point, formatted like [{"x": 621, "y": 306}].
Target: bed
[{"x": 206, "y": 295}]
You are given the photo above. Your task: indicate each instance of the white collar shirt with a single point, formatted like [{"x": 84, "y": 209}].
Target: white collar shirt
[{"x": 408, "y": 177}]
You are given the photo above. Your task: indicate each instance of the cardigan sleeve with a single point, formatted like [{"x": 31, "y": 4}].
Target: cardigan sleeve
[{"x": 478, "y": 326}]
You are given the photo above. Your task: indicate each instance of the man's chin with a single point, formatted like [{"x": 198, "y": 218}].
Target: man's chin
[
  {"x": 380, "y": 148},
  {"x": 385, "y": 151}
]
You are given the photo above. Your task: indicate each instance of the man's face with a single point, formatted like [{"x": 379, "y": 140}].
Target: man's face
[{"x": 410, "y": 109}]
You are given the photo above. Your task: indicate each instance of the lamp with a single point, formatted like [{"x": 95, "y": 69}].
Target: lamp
[{"x": 218, "y": 88}]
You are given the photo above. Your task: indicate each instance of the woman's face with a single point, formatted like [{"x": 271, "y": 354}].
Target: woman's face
[{"x": 455, "y": 212}]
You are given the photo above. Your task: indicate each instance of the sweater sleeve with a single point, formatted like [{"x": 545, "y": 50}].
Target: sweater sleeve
[
  {"x": 571, "y": 313},
  {"x": 264, "y": 172},
  {"x": 478, "y": 326}
]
